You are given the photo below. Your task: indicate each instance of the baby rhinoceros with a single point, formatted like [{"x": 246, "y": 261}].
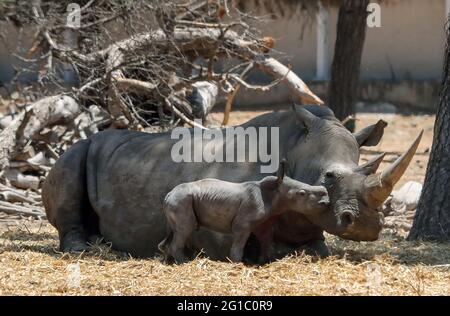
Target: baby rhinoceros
[{"x": 236, "y": 208}]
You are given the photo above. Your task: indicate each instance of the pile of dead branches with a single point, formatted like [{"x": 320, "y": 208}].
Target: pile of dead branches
[{"x": 143, "y": 65}]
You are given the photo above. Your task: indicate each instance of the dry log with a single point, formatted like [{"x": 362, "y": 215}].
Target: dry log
[
  {"x": 37, "y": 163},
  {"x": 89, "y": 122},
  {"x": 13, "y": 197},
  {"x": 126, "y": 84},
  {"x": 14, "y": 209},
  {"x": 25, "y": 166},
  {"x": 297, "y": 86},
  {"x": 200, "y": 41},
  {"x": 181, "y": 116},
  {"x": 20, "y": 180},
  {"x": 47, "y": 112}
]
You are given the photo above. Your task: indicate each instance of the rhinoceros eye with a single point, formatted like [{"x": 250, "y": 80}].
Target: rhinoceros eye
[{"x": 329, "y": 175}]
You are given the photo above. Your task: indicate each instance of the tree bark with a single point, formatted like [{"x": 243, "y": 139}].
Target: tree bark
[
  {"x": 344, "y": 83},
  {"x": 432, "y": 219}
]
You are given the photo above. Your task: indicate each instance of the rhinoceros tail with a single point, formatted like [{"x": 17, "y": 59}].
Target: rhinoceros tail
[{"x": 164, "y": 245}]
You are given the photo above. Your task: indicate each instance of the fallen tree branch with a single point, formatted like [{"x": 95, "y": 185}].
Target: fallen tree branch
[
  {"x": 13, "y": 196},
  {"x": 228, "y": 105},
  {"x": 257, "y": 87},
  {"x": 124, "y": 84},
  {"x": 20, "y": 180},
  {"x": 47, "y": 112},
  {"x": 182, "y": 116},
  {"x": 297, "y": 86},
  {"x": 232, "y": 95},
  {"x": 14, "y": 209}
]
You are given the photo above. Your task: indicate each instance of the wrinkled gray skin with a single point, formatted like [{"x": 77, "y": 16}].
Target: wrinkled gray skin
[
  {"x": 114, "y": 184},
  {"x": 237, "y": 208}
]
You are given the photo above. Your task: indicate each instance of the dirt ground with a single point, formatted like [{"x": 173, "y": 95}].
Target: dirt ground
[{"x": 31, "y": 265}]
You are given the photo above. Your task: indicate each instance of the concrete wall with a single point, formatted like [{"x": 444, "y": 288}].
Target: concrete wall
[
  {"x": 409, "y": 45},
  {"x": 402, "y": 60}
]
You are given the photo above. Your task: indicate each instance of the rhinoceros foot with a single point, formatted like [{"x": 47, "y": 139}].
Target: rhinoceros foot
[
  {"x": 73, "y": 243},
  {"x": 75, "y": 247}
]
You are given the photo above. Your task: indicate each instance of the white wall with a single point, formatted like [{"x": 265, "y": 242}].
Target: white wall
[{"x": 409, "y": 45}]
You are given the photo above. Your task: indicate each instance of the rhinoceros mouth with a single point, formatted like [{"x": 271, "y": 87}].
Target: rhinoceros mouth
[{"x": 365, "y": 229}]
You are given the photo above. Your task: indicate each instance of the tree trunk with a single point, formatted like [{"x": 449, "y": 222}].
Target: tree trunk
[
  {"x": 432, "y": 219},
  {"x": 351, "y": 32}
]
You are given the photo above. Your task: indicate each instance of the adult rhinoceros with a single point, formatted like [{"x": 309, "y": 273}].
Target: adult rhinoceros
[{"x": 114, "y": 183}]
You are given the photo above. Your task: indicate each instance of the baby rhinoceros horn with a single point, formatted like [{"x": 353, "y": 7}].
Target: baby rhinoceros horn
[
  {"x": 379, "y": 186},
  {"x": 281, "y": 171}
]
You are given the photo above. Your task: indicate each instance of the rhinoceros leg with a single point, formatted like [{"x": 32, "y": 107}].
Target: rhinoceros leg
[
  {"x": 240, "y": 234},
  {"x": 65, "y": 199},
  {"x": 264, "y": 234},
  {"x": 182, "y": 222}
]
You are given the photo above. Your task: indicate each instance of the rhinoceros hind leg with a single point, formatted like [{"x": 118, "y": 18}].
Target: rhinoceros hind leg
[
  {"x": 176, "y": 249},
  {"x": 64, "y": 196},
  {"x": 182, "y": 223}
]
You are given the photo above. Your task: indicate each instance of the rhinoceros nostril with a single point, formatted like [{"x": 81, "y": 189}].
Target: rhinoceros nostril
[
  {"x": 347, "y": 218},
  {"x": 324, "y": 200}
]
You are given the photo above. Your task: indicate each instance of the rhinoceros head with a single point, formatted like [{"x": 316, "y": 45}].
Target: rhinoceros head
[{"x": 329, "y": 156}]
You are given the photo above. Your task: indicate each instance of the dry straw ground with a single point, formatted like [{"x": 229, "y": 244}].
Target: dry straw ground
[{"x": 31, "y": 265}]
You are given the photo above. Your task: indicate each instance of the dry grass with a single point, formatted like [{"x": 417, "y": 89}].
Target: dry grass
[{"x": 31, "y": 265}]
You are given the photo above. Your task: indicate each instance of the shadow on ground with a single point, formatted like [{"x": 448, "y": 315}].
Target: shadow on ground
[
  {"x": 393, "y": 247},
  {"x": 390, "y": 247}
]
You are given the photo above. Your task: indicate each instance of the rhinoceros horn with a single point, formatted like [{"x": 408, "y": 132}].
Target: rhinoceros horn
[
  {"x": 281, "y": 171},
  {"x": 371, "y": 166},
  {"x": 379, "y": 186}
]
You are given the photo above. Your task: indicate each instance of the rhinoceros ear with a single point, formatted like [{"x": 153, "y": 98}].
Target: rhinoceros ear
[
  {"x": 371, "y": 135},
  {"x": 304, "y": 116}
]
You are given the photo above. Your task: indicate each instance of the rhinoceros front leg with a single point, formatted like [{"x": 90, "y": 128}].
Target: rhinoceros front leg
[
  {"x": 240, "y": 237},
  {"x": 264, "y": 234}
]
